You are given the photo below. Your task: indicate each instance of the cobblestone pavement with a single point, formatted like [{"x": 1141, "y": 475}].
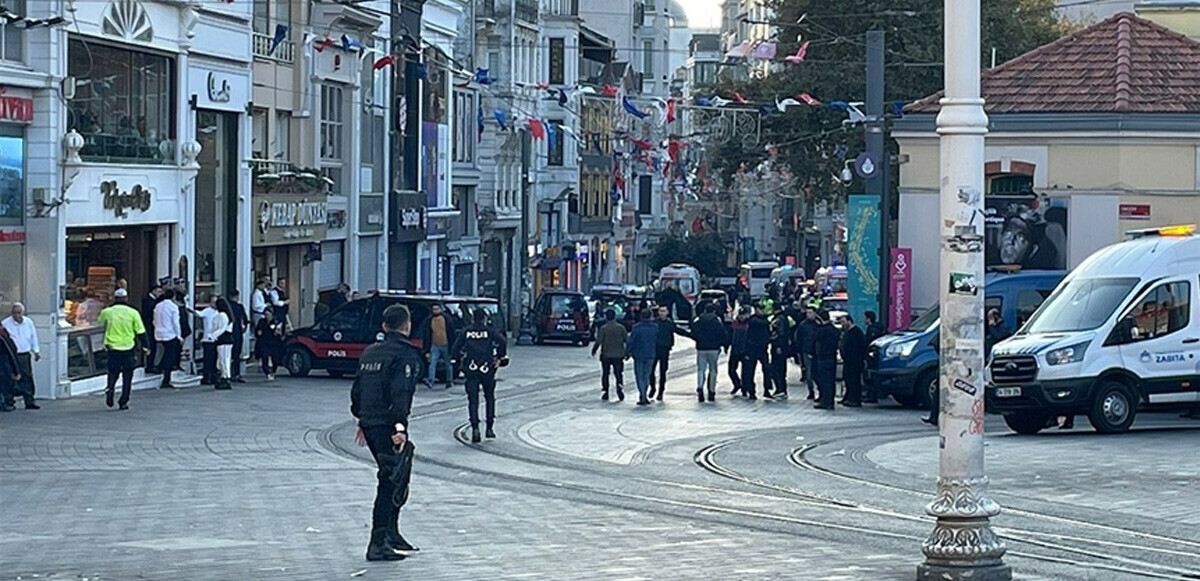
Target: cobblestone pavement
[{"x": 264, "y": 482}]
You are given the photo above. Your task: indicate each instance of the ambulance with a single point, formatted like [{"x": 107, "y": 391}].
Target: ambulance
[{"x": 1120, "y": 334}]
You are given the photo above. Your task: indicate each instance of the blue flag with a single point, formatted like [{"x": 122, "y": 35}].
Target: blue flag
[
  {"x": 479, "y": 120},
  {"x": 551, "y": 135},
  {"x": 349, "y": 43},
  {"x": 281, "y": 31},
  {"x": 632, "y": 109},
  {"x": 481, "y": 77},
  {"x": 501, "y": 119}
]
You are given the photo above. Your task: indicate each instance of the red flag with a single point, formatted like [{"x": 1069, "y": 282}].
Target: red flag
[
  {"x": 808, "y": 99},
  {"x": 739, "y": 99},
  {"x": 320, "y": 46},
  {"x": 383, "y": 62},
  {"x": 643, "y": 144},
  {"x": 670, "y": 110},
  {"x": 609, "y": 91},
  {"x": 536, "y": 129}
]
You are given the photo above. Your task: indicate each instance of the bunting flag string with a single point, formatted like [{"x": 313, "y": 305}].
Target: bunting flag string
[
  {"x": 632, "y": 109},
  {"x": 383, "y": 61},
  {"x": 800, "y": 54}
]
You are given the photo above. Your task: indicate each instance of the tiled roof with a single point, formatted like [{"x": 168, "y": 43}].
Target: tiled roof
[{"x": 1124, "y": 64}]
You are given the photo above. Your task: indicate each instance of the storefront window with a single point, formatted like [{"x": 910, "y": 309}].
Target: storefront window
[
  {"x": 11, "y": 277},
  {"x": 12, "y": 176},
  {"x": 123, "y": 104}
]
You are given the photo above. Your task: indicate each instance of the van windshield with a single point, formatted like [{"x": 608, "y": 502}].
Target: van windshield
[
  {"x": 1082, "y": 304},
  {"x": 926, "y": 321}
]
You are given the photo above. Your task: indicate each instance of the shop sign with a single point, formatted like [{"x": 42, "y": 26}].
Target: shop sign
[
  {"x": 290, "y": 219},
  {"x": 1135, "y": 211},
  {"x": 136, "y": 198},
  {"x": 219, "y": 90},
  {"x": 12, "y": 236},
  {"x": 370, "y": 214},
  {"x": 408, "y": 217},
  {"x": 15, "y": 108}
]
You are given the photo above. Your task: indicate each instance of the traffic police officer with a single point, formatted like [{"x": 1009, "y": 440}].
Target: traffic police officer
[
  {"x": 381, "y": 399},
  {"x": 480, "y": 351}
]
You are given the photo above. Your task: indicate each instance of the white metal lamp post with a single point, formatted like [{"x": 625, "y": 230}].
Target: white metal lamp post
[{"x": 962, "y": 545}]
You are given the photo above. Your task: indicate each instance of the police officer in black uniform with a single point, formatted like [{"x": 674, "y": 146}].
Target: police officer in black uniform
[
  {"x": 479, "y": 352},
  {"x": 381, "y": 399}
]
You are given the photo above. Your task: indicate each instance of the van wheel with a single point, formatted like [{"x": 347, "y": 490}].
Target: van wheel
[
  {"x": 1026, "y": 423},
  {"x": 927, "y": 390},
  {"x": 1113, "y": 409},
  {"x": 298, "y": 362}
]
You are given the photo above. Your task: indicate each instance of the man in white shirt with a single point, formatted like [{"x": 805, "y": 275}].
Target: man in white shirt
[
  {"x": 24, "y": 336},
  {"x": 167, "y": 333},
  {"x": 258, "y": 301},
  {"x": 208, "y": 345}
]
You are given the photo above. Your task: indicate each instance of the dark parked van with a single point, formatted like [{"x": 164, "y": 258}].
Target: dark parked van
[{"x": 560, "y": 315}]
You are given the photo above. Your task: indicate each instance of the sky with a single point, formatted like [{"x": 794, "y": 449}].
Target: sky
[{"x": 703, "y": 13}]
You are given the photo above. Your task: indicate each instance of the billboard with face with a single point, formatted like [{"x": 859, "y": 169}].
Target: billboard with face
[{"x": 1027, "y": 231}]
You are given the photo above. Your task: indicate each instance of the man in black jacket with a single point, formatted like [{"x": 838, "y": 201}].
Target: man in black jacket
[
  {"x": 148, "y": 303},
  {"x": 709, "y": 334},
  {"x": 854, "y": 355},
  {"x": 381, "y": 399},
  {"x": 479, "y": 352},
  {"x": 824, "y": 359},
  {"x": 10, "y": 372},
  {"x": 240, "y": 322},
  {"x": 781, "y": 350},
  {"x": 758, "y": 338},
  {"x": 875, "y": 330},
  {"x": 805, "y": 335},
  {"x": 663, "y": 344},
  {"x": 737, "y": 346}
]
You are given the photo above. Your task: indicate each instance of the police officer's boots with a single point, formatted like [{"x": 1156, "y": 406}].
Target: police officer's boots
[
  {"x": 379, "y": 550},
  {"x": 396, "y": 541}
]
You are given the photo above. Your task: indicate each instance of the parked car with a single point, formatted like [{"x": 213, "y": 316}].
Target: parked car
[
  {"x": 560, "y": 315},
  {"x": 904, "y": 364},
  {"x": 336, "y": 343}
]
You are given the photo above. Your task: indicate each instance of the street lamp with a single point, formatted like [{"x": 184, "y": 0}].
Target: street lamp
[{"x": 962, "y": 545}]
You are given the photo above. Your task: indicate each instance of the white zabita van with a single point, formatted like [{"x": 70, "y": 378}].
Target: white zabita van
[{"x": 1120, "y": 334}]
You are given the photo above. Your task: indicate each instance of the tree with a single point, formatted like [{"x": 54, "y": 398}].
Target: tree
[
  {"x": 808, "y": 138},
  {"x": 706, "y": 252}
]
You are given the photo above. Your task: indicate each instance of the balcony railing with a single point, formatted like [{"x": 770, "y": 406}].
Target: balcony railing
[{"x": 284, "y": 53}]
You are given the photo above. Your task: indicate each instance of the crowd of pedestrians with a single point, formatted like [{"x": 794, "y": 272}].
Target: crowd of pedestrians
[{"x": 759, "y": 342}]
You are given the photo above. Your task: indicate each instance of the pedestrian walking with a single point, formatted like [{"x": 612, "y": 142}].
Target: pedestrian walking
[
  {"x": 168, "y": 336},
  {"x": 124, "y": 333},
  {"x": 758, "y": 339},
  {"x": 480, "y": 351},
  {"x": 854, "y": 355},
  {"x": 710, "y": 336},
  {"x": 222, "y": 324},
  {"x": 24, "y": 336},
  {"x": 780, "y": 351},
  {"x": 806, "y": 333},
  {"x": 208, "y": 343},
  {"x": 240, "y": 323},
  {"x": 737, "y": 347},
  {"x": 437, "y": 335},
  {"x": 10, "y": 371},
  {"x": 381, "y": 400},
  {"x": 641, "y": 349},
  {"x": 150, "y": 301},
  {"x": 825, "y": 348},
  {"x": 663, "y": 343},
  {"x": 268, "y": 343},
  {"x": 610, "y": 342}
]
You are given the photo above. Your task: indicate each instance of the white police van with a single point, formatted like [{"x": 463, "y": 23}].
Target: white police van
[{"x": 1120, "y": 334}]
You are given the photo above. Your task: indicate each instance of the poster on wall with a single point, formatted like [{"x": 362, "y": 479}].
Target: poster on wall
[{"x": 1028, "y": 231}]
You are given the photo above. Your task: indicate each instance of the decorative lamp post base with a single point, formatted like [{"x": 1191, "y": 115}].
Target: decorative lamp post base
[{"x": 937, "y": 572}]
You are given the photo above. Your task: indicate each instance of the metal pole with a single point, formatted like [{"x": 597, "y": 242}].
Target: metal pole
[
  {"x": 876, "y": 186},
  {"x": 962, "y": 545}
]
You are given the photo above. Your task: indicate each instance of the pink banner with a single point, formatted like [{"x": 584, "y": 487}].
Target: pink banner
[{"x": 900, "y": 285}]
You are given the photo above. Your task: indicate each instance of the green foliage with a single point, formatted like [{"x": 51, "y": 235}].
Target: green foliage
[
  {"x": 835, "y": 70},
  {"x": 707, "y": 252}
]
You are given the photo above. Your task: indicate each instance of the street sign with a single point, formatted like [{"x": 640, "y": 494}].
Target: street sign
[
  {"x": 900, "y": 286},
  {"x": 749, "y": 252}
]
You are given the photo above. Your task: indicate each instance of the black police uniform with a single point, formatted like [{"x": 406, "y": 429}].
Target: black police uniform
[
  {"x": 480, "y": 350},
  {"x": 382, "y": 398}
]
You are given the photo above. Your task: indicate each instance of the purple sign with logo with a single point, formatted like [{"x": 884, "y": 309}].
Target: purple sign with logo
[{"x": 900, "y": 286}]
